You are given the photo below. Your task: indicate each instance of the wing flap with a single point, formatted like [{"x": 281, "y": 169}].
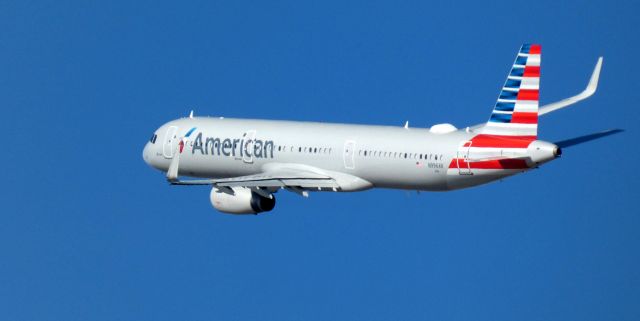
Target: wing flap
[{"x": 299, "y": 179}]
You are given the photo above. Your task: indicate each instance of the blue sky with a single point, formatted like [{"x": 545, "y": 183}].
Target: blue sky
[{"x": 89, "y": 232}]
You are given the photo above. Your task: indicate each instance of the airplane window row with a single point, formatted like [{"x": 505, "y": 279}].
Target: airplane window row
[
  {"x": 328, "y": 150},
  {"x": 369, "y": 153},
  {"x": 310, "y": 150}
]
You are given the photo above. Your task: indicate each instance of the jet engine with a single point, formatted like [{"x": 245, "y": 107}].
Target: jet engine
[{"x": 240, "y": 200}]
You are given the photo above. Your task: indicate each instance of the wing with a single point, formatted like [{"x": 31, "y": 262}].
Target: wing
[
  {"x": 586, "y": 93},
  {"x": 274, "y": 179},
  {"x": 291, "y": 177}
]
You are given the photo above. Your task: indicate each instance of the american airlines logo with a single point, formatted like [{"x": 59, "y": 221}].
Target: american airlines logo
[{"x": 238, "y": 147}]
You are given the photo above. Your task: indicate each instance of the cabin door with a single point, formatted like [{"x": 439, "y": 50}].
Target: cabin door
[
  {"x": 169, "y": 144},
  {"x": 462, "y": 159},
  {"x": 349, "y": 154}
]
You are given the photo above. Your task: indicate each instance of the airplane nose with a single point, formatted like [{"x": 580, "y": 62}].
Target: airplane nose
[{"x": 145, "y": 154}]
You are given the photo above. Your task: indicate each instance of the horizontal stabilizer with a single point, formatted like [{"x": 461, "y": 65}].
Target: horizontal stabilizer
[{"x": 583, "y": 139}]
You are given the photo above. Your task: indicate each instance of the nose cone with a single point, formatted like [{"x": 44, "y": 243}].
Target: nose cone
[
  {"x": 542, "y": 152},
  {"x": 146, "y": 154},
  {"x": 151, "y": 156}
]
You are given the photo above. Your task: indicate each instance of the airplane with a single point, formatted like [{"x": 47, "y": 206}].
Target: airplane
[{"x": 246, "y": 161}]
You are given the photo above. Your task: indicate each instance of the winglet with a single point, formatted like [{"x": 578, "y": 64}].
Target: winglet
[
  {"x": 595, "y": 76},
  {"x": 586, "y": 93}
]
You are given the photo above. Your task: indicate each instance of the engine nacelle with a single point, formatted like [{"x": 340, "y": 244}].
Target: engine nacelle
[{"x": 242, "y": 201}]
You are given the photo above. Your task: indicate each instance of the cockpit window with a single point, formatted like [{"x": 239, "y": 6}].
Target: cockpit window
[{"x": 153, "y": 139}]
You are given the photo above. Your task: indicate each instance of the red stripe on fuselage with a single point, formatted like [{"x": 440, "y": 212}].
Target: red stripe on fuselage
[
  {"x": 497, "y": 141},
  {"x": 492, "y": 164}
]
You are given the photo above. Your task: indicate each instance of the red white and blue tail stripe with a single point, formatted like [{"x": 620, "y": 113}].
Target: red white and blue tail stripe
[
  {"x": 516, "y": 111},
  {"x": 503, "y": 140}
]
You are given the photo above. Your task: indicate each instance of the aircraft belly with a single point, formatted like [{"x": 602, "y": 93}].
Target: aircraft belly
[{"x": 412, "y": 175}]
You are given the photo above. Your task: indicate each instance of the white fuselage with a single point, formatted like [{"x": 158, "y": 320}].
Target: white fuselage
[{"x": 382, "y": 156}]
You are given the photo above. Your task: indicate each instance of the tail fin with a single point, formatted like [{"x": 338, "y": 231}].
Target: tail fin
[{"x": 516, "y": 111}]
